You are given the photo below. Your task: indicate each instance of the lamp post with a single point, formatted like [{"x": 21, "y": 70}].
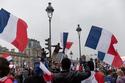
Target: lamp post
[
  {"x": 49, "y": 11},
  {"x": 79, "y": 32}
]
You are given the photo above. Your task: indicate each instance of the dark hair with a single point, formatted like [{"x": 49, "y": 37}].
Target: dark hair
[
  {"x": 91, "y": 65},
  {"x": 4, "y": 67},
  {"x": 66, "y": 64},
  {"x": 123, "y": 69}
]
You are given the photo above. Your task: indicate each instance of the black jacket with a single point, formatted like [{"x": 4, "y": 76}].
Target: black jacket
[
  {"x": 34, "y": 79},
  {"x": 71, "y": 76}
]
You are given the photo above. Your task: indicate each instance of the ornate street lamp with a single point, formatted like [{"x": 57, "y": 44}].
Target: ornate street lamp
[
  {"x": 49, "y": 11},
  {"x": 79, "y": 32}
]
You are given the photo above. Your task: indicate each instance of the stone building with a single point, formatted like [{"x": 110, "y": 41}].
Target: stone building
[
  {"x": 33, "y": 50},
  {"x": 28, "y": 57}
]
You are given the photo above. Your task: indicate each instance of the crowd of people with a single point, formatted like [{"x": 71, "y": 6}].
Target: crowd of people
[{"x": 67, "y": 72}]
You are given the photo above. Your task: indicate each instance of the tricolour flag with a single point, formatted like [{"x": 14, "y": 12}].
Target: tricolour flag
[
  {"x": 103, "y": 41},
  {"x": 47, "y": 74},
  {"x": 64, "y": 37},
  {"x": 13, "y": 30},
  {"x": 7, "y": 56}
]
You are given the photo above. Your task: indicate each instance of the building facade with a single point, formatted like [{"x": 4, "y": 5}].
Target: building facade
[
  {"x": 28, "y": 57},
  {"x": 33, "y": 50}
]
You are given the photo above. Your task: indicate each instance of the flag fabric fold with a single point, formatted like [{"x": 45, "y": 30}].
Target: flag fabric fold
[
  {"x": 103, "y": 41},
  {"x": 13, "y": 30},
  {"x": 108, "y": 58}
]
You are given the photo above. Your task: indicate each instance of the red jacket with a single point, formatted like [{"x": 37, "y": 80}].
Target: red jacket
[
  {"x": 6, "y": 80},
  {"x": 99, "y": 77}
]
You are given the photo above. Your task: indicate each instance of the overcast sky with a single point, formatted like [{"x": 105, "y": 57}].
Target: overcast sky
[{"x": 108, "y": 14}]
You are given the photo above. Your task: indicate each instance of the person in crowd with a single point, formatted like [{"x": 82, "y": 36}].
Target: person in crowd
[
  {"x": 91, "y": 79},
  {"x": 114, "y": 77},
  {"x": 99, "y": 75},
  {"x": 68, "y": 76},
  {"x": 35, "y": 79},
  {"x": 108, "y": 77},
  {"x": 18, "y": 74},
  {"x": 37, "y": 76},
  {"x": 57, "y": 48},
  {"x": 123, "y": 69},
  {"x": 55, "y": 67},
  {"x": 55, "y": 54},
  {"x": 43, "y": 55},
  {"x": 121, "y": 76},
  {"x": 25, "y": 73},
  {"x": 5, "y": 71},
  {"x": 111, "y": 76}
]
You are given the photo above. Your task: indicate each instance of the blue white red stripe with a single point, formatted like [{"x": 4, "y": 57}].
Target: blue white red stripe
[
  {"x": 64, "y": 37},
  {"x": 103, "y": 41},
  {"x": 47, "y": 74},
  {"x": 13, "y": 30},
  {"x": 7, "y": 56},
  {"x": 99, "y": 39}
]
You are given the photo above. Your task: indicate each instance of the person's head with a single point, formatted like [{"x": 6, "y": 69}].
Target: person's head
[
  {"x": 91, "y": 65},
  {"x": 65, "y": 64},
  {"x": 123, "y": 69},
  {"x": 4, "y": 67},
  {"x": 120, "y": 72},
  {"x": 58, "y": 44},
  {"x": 91, "y": 59}
]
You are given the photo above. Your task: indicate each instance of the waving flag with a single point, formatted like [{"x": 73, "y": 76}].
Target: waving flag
[
  {"x": 103, "y": 41},
  {"x": 47, "y": 74},
  {"x": 64, "y": 37},
  {"x": 7, "y": 56},
  {"x": 13, "y": 30},
  {"x": 68, "y": 46}
]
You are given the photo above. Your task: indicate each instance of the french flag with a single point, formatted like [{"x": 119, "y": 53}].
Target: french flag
[
  {"x": 7, "y": 56},
  {"x": 13, "y": 30},
  {"x": 64, "y": 37},
  {"x": 68, "y": 46},
  {"x": 103, "y": 41},
  {"x": 47, "y": 74}
]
